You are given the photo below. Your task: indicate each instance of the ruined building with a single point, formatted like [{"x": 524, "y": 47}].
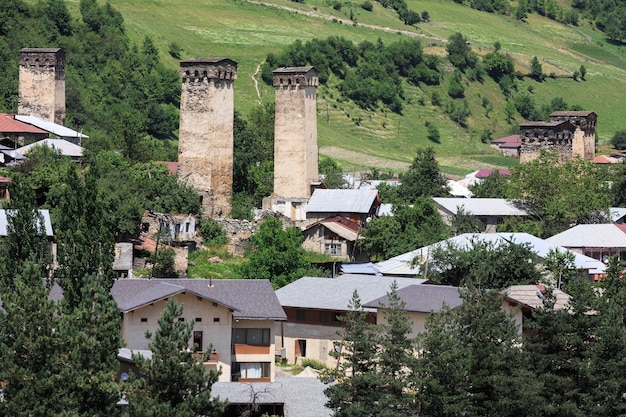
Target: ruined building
[
  {"x": 205, "y": 147},
  {"x": 42, "y": 84},
  {"x": 568, "y": 134}
]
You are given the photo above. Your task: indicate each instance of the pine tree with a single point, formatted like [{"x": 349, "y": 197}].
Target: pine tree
[
  {"x": 26, "y": 238},
  {"x": 84, "y": 243},
  {"x": 396, "y": 359},
  {"x": 173, "y": 382},
  {"x": 29, "y": 343},
  {"x": 423, "y": 178},
  {"x": 356, "y": 392}
]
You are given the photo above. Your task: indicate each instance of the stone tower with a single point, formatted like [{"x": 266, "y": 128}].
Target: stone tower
[
  {"x": 584, "y": 142},
  {"x": 205, "y": 147},
  {"x": 295, "y": 133},
  {"x": 42, "y": 84}
]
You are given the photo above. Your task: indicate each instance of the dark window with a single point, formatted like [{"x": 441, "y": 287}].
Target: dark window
[
  {"x": 144, "y": 319},
  {"x": 197, "y": 341},
  {"x": 301, "y": 315},
  {"x": 250, "y": 370},
  {"x": 256, "y": 337},
  {"x": 181, "y": 319},
  {"x": 198, "y": 319},
  {"x": 216, "y": 319}
]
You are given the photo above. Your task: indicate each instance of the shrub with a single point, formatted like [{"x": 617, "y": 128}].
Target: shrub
[
  {"x": 212, "y": 233},
  {"x": 315, "y": 364},
  {"x": 367, "y": 5}
]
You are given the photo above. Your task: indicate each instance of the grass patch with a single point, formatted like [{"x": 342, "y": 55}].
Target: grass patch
[{"x": 213, "y": 263}]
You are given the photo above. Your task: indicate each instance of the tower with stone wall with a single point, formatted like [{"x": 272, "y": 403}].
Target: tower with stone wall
[
  {"x": 585, "y": 133},
  {"x": 42, "y": 84},
  {"x": 295, "y": 132},
  {"x": 205, "y": 146}
]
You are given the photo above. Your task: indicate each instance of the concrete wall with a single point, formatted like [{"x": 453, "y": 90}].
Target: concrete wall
[
  {"x": 205, "y": 149},
  {"x": 295, "y": 136},
  {"x": 320, "y": 341},
  {"x": 42, "y": 84}
]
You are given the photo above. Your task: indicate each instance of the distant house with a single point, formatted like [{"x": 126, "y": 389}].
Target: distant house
[
  {"x": 598, "y": 241},
  {"x": 14, "y": 133},
  {"x": 314, "y": 306},
  {"x": 415, "y": 263},
  {"x": 54, "y": 129},
  {"x": 356, "y": 205},
  {"x": 123, "y": 260},
  {"x": 47, "y": 224},
  {"x": 490, "y": 211},
  {"x": 235, "y": 317},
  {"x": 335, "y": 236},
  {"x": 64, "y": 147},
  {"x": 508, "y": 145},
  {"x": 521, "y": 300},
  {"x": 419, "y": 302}
]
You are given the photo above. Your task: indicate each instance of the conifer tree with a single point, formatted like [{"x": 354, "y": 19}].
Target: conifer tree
[
  {"x": 396, "y": 359},
  {"x": 423, "y": 178},
  {"x": 356, "y": 392},
  {"x": 173, "y": 381}
]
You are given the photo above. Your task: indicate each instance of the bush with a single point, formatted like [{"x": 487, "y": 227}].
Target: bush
[
  {"x": 367, "y": 5},
  {"x": 212, "y": 233},
  {"x": 619, "y": 140},
  {"x": 315, "y": 364}
]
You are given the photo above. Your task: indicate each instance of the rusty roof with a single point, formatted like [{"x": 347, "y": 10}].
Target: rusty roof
[{"x": 8, "y": 124}]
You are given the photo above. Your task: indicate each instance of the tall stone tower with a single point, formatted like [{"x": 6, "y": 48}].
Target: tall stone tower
[
  {"x": 584, "y": 143},
  {"x": 42, "y": 84},
  {"x": 295, "y": 132},
  {"x": 205, "y": 147}
]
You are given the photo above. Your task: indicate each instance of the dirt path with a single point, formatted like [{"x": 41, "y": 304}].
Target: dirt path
[{"x": 256, "y": 82}]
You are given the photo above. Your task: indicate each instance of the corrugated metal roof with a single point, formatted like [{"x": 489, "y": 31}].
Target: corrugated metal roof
[
  {"x": 480, "y": 206},
  {"x": 617, "y": 213},
  {"x": 8, "y": 124},
  {"x": 59, "y": 130},
  {"x": 341, "y": 201},
  {"x": 335, "y": 293},
  {"x": 591, "y": 235},
  {"x": 401, "y": 264},
  {"x": 423, "y": 298},
  {"x": 44, "y": 213},
  {"x": 66, "y": 148}
]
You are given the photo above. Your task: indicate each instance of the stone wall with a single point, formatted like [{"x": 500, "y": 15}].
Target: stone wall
[
  {"x": 42, "y": 84},
  {"x": 551, "y": 137}
]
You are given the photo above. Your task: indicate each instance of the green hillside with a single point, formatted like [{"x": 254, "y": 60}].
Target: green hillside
[{"x": 246, "y": 31}]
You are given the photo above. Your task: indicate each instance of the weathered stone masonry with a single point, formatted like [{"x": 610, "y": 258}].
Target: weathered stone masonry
[{"x": 205, "y": 148}]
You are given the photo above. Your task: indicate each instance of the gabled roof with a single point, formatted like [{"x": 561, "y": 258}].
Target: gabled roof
[
  {"x": 46, "y": 220},
  {"x": 401, "y": 264},
  {"x": 248, "y": 298},
  {"x": 66, "y": 148},
  {"x": 480, "y": 206},
  {"x": 513, "y": 141},
  {"x": 423, "y": 298},
  {"x": 293, "y": 70},
  {"x": 575, "y": 113},
  {"x": 531, "y": 296},
  {"x": 343, "y": 227},
  {"x": 607, "y": 235},
  {"x": 335, "y": 293},
  {"x": 341, "y": 201},
  {"x": 57, "y": 129},
  {"x": 617, "y": 213},
  {"x": 550, "y": 124},
  {"x": 8, "y": 125}
]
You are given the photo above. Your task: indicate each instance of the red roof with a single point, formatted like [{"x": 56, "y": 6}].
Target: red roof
[
  {"x": 172, "y": 167},
  {"x": 512, "y": 141},
  {"x": 484, "y": 173},
  {"x": 8, "y": 124},
  {"x": 4, "y": 180}
]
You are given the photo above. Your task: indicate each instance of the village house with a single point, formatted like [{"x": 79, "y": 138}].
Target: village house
[
  {"x": 521, "y": 300},
  {"x": 65, "y": 148},
  {"x": 598, "y": 241},
  {"x": 490, "y": 211},
  {"x": 508, "y": 145},
  {"x": 235, "y": 319},
  {"x": 313, "y": 307}
]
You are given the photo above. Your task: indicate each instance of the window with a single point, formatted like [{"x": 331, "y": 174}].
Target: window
[
  {"x": 216, "y": 319},
  {"x": 144, "y": 319},
  {"x": 198, "y": 319},
  {"x": 324, "y": 316},
  {"x": 197, "y": 341},
  {"x": 256, "y": 337},
  {"x": 301, "y": 315},
  {"x": 250, "y": 370},
  {"x": 181, "y": 319},
  {"x": 332, "y": 249}
]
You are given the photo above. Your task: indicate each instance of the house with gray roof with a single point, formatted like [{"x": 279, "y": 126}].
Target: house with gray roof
[
  {"x": 598, "y": 241},
  {"x": 234, "y": 317},
  {"x": 314, "y": 307},
  {"x": 490, "y": 211},
  {"x": 62, "y": 146},
  {"x": 356, "y": 205}
]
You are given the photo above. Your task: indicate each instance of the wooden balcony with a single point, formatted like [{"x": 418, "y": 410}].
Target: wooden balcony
[{"x": 250, "y": 350}]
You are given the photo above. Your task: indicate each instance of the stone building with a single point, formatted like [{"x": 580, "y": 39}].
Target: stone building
[
  {"x": 42, "y": 84},
  {"x": 568, "y": 134},
  {"x": 295, "y": 137},
  {"x": 205, "y": 147}
]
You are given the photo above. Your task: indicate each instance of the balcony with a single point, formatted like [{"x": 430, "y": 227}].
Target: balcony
[{"x": 241, "y": 349}]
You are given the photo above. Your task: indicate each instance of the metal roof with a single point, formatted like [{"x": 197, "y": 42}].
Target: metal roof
[
  {"x": 66, "y": 148},
  {"x": 248, "y": 298},
  {"x": 401, "y": 264},
  {"x": 423, "y": 298},
  {"x": 293, "y": 70},
  {"x": 44, "y": 213},
  {"x": 591, "y": 235},
  {"x": 336, "y": 293},
  {"x": 59, "y": 130},
  {"x": 8, "y": 124},
  {"x": 341, "y": 201},
  {"x": 480, "y": 206},
  {"x": 617, "y": 213}
]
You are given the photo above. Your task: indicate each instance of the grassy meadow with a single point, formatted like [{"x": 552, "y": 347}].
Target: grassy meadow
[{"x": 246, "y": 31}]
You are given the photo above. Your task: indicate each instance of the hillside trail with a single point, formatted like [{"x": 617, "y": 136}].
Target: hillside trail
[
  {"x": 323, "y": 16},
  {"x": 256, "y": 82}
]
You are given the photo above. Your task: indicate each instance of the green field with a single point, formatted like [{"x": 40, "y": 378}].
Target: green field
[{"x": 247, "y": 31}]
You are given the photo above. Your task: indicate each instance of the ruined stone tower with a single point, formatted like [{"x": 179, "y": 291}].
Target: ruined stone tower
[
  {"x": 295, "y": 133},
  {"x": 42, "y": 84},
  {"x": 205, "y": 147},
  {"x": 584, "y": 141}
]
